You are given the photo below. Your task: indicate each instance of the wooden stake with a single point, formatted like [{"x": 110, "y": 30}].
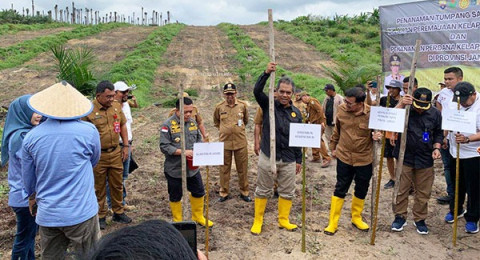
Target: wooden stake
[
  {"x": 206, "y": 210},
  {"x": 376, "y": 146},
  {"x": 403, "y": 140},
  {"x": 457, "y": 173},
  {"x": 379, "y": 182},
  {"x": 304, "y": 181},
  {"x": 183, "y": 158},
  {"x": 271, "y": 100}
]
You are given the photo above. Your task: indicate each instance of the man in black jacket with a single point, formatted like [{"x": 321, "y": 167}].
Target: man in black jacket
[{"x": 288, "y": 159}]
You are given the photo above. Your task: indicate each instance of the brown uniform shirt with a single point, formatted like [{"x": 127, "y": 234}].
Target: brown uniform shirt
[
  {"x": 231, "y": 123},
  {"x": 351, "y": 137},
  {"x": 195, "y": 115},
  {"x": 301, "y": 106},
  {"x": 258, "y": 120},
  {"x": 315, "y": 112},
  {"x": 103, "y": 119}
]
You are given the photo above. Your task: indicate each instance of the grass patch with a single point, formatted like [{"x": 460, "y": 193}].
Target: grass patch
[
  {"x": 139, "y": 66},
  {"x": 14, "y": 28},
  {"x": 17, "y": 54},
  {"x": 254, "y": 60}
]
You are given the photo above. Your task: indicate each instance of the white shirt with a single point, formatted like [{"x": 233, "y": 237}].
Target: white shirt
[
  {"x": 128, "y": 114},
  {"x": 445, "y": 97},
  {"x": 466, "y": 150}
]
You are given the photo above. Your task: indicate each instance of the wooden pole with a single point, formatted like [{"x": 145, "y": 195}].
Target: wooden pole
[
  {"x": 304, "y": 208},
  {"x": 271, "y": 100},
  {"x": 207, "y": 187},
  {"x": 379, "y": 183},
  {"x": 183, "y": 158},
  {"x": 457, "y": 173},
  {"x": 376, "y": 146},
  {"x": 403, "y": 140}
]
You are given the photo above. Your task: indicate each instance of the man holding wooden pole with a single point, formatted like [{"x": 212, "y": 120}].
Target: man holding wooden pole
[
  {"x": 469, "y": 163},
  {"x": 170, "y": 145},
  {"x": 352, "y": 145},
  {"x": 288, "y": 159},
  {"x": 424, "y": 138}
]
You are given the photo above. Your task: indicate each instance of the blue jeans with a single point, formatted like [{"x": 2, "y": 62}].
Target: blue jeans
[
  {"x": 446, "y": 166},
  {"x": 126, "y": 166},
  {"x": 24, "y": 244}
]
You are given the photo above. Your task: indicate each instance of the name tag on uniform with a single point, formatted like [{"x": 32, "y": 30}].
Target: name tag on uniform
[{"x": 192, "y": 128}]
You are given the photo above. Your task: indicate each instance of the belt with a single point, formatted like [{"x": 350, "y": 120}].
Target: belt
[{"x": 109, "y": 150}]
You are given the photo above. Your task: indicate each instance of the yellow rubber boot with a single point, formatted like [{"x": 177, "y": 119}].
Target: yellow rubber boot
[
  {"x": 197, "y": 211},
  {"x": 260, "y": 205},
  {"x": 357, "y": 208},
  {"x": 176, "y": 208},
  {"x": 284, "y": 207},
  {"x": 335, "y": 210}
]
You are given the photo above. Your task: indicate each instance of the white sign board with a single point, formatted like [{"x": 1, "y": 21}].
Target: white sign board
[
  {"x": 305, "y": 135},
  {"x": 387, "y": 119},
  {"x": 459, "y": 121},
  {"x": 207, "y": 154}
]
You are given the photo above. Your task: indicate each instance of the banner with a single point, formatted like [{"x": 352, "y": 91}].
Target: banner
[{"x": 450, "y": 34}]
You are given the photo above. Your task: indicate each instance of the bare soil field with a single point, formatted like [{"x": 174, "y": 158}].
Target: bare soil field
[
  {"x": 201, "y": 58},
  {"x": 39, "y": 73},
  {"x": 11, "y": 39}
]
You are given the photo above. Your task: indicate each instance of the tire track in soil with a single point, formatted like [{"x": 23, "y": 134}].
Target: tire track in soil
[
  {"x": 40, "y": 72},
  {"x": 290, "y": 52},
  {"x": 11, "y": 39}
]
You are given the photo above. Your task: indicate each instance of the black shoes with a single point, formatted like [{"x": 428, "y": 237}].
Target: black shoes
[
  {"x": 103, "y": 223},
  {"x": 390, "y": 184},
  {"x": 246, "y": 198},
  {"x": 121, "y": 218},
  {"x": 443, "y": 200},
  {"x": 223, "y": 199}
]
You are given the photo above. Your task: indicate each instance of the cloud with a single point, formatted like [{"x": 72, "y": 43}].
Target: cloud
[{"x": 214, "y": 12}]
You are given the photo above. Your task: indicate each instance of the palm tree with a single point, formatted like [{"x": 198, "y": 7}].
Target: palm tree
[{"x": 73, "y": 66}]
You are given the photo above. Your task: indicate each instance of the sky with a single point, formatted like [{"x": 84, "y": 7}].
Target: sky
[{"x": 209, "y": 12}]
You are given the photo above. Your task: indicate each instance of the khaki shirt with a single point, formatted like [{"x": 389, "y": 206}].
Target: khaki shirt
[
  {"x": 351, "y": 137},
  {"x": 195, "y": 114},
  {"x": 258, "y": 120},
  {"x": 231, "y": 123},
  {"x": 103, "y": 119},
  {"x": 301, "y": 106},
  {"x": 315, "y": 112}
]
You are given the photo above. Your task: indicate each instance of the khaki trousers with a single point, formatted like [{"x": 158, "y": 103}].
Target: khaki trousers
[
  {"x": 54, "y": 241},
  {"x": 421, "y": 180},
  {"x": 316, "y": 152},
  {"x": 265, "y": 178},
  {"x": 328, "y": 133},
  {"x": 111, "y": 166},
  {"x": 241, "y": 163}
]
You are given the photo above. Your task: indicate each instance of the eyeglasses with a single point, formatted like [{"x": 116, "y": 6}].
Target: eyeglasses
[{"x": 348, "y": 102}]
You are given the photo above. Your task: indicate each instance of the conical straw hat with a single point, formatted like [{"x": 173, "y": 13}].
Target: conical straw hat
[{"x": 61, "y": 101}]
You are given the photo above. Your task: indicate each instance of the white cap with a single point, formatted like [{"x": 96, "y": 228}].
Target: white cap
[{"x": 121, "y": 86}]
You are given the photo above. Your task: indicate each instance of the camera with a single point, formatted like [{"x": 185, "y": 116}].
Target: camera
[
  {"x": 129, "y": 96},
  {"x": 373, "y": 84}
]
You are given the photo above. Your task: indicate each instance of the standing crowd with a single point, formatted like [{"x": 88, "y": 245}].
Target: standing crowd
[{"x": 68, "y": 158}]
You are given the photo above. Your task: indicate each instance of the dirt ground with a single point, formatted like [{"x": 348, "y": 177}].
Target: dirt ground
[
  {"x": 11, "y": 39},
  {"x": 40, "y": 72},
  {"x": 201, "y": 58}
]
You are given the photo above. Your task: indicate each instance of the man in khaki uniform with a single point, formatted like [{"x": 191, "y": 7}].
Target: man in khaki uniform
[
  {"x": 196, "y": 116},
  {"x": 230, "y": 117},
  {"x": 315, "y": 115},
  {"x": 108, "y": 118}
]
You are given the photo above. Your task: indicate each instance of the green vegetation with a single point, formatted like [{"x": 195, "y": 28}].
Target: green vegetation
[
  {"x": 19, "y": 53},
  {"x": 254, "y": 60},
  {"x": 11, "y": 28},
  {"x": 12, "y": 16},
  {"x": 74, "y": 67},
  {"x": 139, "y": 66},
  {"x": 353, "y": 43}
]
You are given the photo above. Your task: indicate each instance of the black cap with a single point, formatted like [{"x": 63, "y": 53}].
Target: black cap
[
  {"x": 463, "y": 90},
  {"x": 229, "y": 88},
  {"x": 329, "y": 86},
  {"x": 422, "y": 98},
  {"x": 395, "y": 60}
]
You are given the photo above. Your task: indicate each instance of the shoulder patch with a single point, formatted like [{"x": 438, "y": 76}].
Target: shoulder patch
[{"x": 165, "y": 129}]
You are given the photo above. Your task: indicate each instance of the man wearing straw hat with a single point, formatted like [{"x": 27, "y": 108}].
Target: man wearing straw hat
[
  {"x": 58, "y": 157},
  {"x": 108, "y": 117},
  {"x": 424, "y": 139},
  {"x": 170, "y": 145}
]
